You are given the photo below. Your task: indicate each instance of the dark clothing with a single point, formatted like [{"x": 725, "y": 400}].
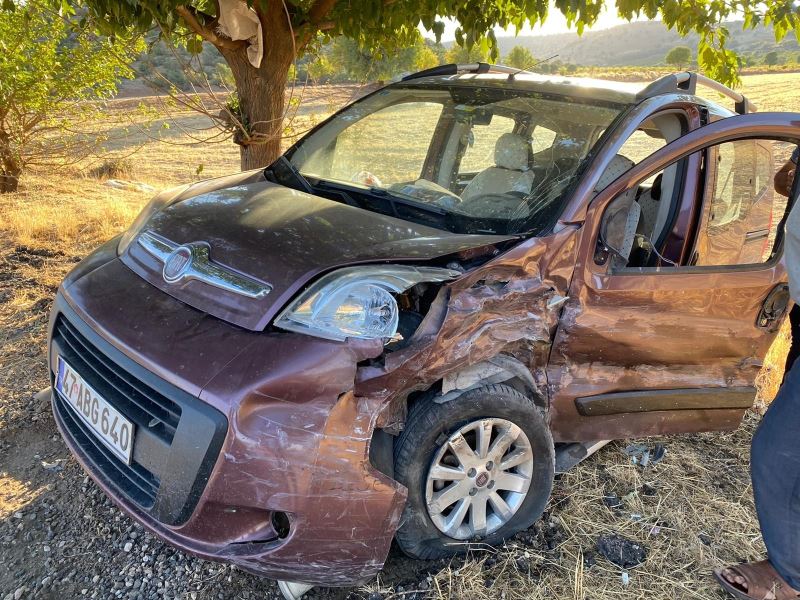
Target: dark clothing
[
  {"x": 775, "y": 468},
  {"x": 794, "y": 347}
]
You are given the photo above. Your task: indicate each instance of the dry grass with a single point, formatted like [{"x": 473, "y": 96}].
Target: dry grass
[
  {"x": 693, "y": 512},
  {"x": 701, "y": 514}
]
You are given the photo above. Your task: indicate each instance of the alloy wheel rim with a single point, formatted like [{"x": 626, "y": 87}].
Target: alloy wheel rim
[{"x": 479, "y": 478}]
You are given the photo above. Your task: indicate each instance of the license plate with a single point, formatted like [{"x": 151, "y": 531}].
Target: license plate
[{"x": 105, "y": 421}]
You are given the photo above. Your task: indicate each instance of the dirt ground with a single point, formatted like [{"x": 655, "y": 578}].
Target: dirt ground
[{"x": 60, "y": 537}]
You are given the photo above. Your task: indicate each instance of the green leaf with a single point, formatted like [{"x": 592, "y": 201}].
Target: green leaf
[{"x": 194, "y": 45}]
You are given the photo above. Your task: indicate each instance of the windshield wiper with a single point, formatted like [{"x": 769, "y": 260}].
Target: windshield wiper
[
  {"x": 392, "y": 198},
  {"x": 395, "y": 197},
  {"x": 285, "y": 173}
]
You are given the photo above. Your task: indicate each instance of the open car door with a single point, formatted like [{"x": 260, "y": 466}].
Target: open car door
[{"x": 674, "y": 349}]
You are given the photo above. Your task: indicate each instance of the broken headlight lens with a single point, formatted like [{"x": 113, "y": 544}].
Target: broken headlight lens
[{"x": 356, "y": 302}]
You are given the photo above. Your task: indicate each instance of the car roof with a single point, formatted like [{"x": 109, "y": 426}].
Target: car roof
[
  {"x": 609, "y": 91},
  {"x": 602, "y": 90}
]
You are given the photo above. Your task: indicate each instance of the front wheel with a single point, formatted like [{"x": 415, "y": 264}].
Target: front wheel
[{"x": 477, "y": 468}]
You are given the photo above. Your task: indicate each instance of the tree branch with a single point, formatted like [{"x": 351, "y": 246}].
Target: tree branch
[
  {"x": 314, "y": 21},
  {"x": 190, "y": 15}
]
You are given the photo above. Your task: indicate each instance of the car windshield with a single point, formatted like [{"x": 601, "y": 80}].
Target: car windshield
[{"x": 465, "y": 158}]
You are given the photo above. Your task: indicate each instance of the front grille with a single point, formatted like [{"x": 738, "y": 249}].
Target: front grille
[
  {"x": 140, "y": 403},
  {"x": 177, "y": 436},
  {"x": 136, "y": 482}
]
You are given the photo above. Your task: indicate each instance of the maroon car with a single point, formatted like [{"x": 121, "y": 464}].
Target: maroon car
[{"x": 404, "y": 326}]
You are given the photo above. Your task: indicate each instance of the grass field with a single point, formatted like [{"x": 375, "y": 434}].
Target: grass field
[{"x": 693, "y": 511}]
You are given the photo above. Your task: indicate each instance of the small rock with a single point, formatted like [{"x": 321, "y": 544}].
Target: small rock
[
  {"x": 19, "y": 592},
  {"x": 53, "y": 467},
  {"x": 46, "y": 581},
  {"x": 128, "y": 546},
  {"x": 522, "y": 564},
  {"x": 589, "y": 559},
  {"x": 647, "y": 490}
]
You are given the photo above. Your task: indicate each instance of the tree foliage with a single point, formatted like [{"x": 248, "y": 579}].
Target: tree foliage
[
  {"x": 463, "y": 55},
  {"x": 679, "y": 56},
  {"x": 53, "y": 71},
  {"x": 291, "y": 28},
  {"x": 771, "y": 58},
  {"x": 520, "y": 58},
  {"x": 358, "y": 64}
]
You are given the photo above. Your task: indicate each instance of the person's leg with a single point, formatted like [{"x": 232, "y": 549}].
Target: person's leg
[{"x": 775, "y": 469}]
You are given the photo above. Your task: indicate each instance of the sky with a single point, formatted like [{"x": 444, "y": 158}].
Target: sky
[{"x": 556, "y": 23}]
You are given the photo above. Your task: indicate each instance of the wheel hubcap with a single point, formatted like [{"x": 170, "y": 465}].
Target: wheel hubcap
[{"x": 479, "y": 478}]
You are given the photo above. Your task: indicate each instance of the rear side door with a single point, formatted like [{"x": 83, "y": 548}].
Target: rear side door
[{"x": 673, "y": 349}]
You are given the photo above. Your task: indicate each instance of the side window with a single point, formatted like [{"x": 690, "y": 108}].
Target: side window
[
  {"x": 641, "y": 145},
  {"x": 733, "y": 188},
  {"x": 354, "y": 152},
  {"x": 479, "y": 152},
  {"x": 543, "y": 138},
  {"x": 741, "y": 210}
]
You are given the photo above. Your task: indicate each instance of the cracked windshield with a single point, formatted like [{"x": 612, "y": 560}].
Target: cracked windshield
[{"x": 466, "y": 159}]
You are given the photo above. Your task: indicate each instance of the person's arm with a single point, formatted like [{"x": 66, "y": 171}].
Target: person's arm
[{"x": 785, "y": 177}]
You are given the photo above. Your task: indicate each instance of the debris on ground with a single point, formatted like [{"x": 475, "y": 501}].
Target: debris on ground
[
  {"x": 644, "y": 456},
  {"x": 648, "y": 490},
  {"x": 54, "y": 466},
  {"x": 621, "y": 551},
  {"x": 121, "y": 184}
]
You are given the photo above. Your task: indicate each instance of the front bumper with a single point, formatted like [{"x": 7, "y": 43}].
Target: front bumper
[{"x": 272, "y": 429}]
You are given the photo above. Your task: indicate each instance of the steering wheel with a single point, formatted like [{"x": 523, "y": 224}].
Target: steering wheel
[{"x": 366, "y": 178}]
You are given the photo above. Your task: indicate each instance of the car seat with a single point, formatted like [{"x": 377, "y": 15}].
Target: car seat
[
  {"x": 511, "y": 172},
  {"x": 622, "y": 214},
  {"x": 649, "y": 200}
]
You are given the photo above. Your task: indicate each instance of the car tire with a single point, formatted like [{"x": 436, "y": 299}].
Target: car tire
[{"x": 432, "y": 432}]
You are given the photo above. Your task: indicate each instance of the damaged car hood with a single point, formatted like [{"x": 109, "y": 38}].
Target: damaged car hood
[{"x": 282, "y": 239}]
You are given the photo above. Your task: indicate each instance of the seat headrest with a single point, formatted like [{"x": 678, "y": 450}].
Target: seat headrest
[
  {"x": 618, "y": 165},
  {"x": 511, "y": 152}
]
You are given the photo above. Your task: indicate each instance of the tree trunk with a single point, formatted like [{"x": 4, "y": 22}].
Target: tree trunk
[
  {"x": 8, "y": 182},
  {"x": 261, "y": 100},
  {"x": 10, "y": 169}
]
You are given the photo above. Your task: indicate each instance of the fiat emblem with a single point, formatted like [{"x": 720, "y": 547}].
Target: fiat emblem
[{"x": 178, "y": 262}]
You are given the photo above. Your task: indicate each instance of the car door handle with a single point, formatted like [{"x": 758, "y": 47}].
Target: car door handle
[{"x": 774, "y": 307}]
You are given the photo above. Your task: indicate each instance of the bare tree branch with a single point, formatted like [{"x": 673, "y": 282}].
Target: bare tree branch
[
  {"x": 190, "y": 16},
  {"x": 315, "y": 21}
]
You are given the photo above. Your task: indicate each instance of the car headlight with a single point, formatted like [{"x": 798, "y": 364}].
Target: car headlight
[
  {"x": 159, "y": 202},
  {"x": 356, "y": 302}
]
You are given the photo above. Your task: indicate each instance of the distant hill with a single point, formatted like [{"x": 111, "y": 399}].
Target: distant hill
[{"x": 641, "y": 43}]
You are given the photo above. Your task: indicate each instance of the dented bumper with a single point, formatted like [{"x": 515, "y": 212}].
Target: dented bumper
[{"x": 289, "y": 493}]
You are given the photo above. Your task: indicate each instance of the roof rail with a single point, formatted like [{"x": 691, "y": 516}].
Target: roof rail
[
  {"x": 687, "y": 82},
  {"x": 455, "y": 69}
]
